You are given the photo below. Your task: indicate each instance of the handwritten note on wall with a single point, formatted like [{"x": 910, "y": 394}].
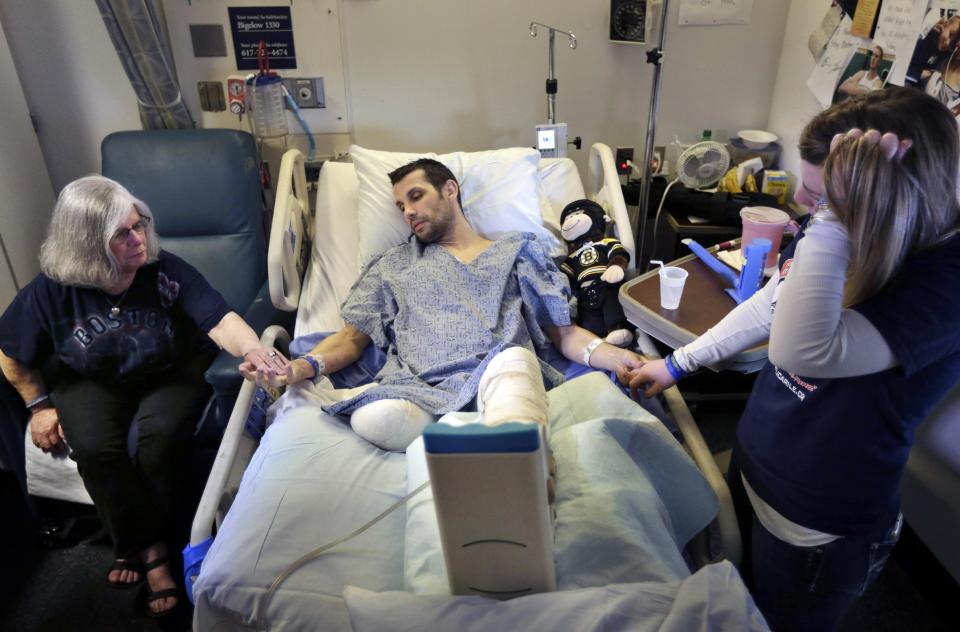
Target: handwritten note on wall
[
  {"x": 715, "y": 12},
  {"x": 897, "y": 30}
]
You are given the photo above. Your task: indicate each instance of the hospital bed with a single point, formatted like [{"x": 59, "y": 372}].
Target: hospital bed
[{"x": 635, "y": 513}]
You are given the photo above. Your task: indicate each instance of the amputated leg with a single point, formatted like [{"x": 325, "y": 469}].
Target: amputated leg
[{"x": 390, "y": 424}]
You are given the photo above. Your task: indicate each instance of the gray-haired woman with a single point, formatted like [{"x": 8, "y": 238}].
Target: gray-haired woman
[{"x": 130, "y": 327}]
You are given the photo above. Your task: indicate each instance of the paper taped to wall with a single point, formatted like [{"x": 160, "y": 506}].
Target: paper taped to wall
[
  {"x": 819, "y": 38},
  {"x": 835, "y": 57},
  {"x": 715, "y": 12}
]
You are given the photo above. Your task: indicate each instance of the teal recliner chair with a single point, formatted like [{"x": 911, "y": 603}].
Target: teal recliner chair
[{"x": 203, "y": 186}]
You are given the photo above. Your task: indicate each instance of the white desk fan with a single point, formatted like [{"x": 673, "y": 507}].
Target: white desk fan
[{"x": 700, "y": 165}]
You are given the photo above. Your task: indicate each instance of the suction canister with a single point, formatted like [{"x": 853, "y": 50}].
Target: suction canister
[{"x": 265, "y": 101}]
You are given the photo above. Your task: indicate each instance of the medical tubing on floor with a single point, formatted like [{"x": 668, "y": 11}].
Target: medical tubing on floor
[
  {"x": 306, "y": 128},
  {"x": 314, "y": 554}
]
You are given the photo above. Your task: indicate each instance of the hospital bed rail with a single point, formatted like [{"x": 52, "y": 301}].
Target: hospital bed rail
[
  {"x": 236, "y": 449},
  {"x": 696, "y": 447},
  {"x": 291, "y": 233},
  {"x": 604, "y": 189}
]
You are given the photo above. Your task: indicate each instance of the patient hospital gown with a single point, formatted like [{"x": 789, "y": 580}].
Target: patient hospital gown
[{"x": 440, "y": 320}]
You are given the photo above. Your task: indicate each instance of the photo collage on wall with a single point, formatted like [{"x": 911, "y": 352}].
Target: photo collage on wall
[{"x": 863, "y": 45}]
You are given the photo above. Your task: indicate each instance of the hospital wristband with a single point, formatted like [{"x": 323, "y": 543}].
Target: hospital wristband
[
  {"x": 36, "y": 401},
  {"x": 318, "y": 365},
  {"x": 674, "y": 369},
  {"x": 589, "y": 349}
]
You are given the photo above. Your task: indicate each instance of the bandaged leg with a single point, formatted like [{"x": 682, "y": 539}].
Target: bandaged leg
[
  {"x": 511, "y": 389},
  {"x": 390, "y": 424}
]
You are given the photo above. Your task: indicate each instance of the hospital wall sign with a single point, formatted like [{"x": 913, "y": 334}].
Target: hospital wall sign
[{"x": 273, "y": 25}]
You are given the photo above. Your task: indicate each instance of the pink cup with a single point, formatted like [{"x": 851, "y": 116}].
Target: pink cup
[{"x": 766, "y": 222}]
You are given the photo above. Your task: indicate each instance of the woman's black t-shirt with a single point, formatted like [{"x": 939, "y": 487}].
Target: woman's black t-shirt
[{"x": 163, "y": 318}]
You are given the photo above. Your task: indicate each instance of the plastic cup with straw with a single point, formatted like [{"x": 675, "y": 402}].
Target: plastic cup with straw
[{"x": 672, "y": 279}]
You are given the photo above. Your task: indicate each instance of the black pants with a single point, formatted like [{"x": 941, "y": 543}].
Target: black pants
[{"x": 135, "y": 497}]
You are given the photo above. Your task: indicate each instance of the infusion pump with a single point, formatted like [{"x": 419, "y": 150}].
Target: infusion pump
[{"x": 552, "y": 140}]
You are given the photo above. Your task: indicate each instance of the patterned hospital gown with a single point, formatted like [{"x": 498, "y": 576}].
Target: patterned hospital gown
[{"x": 440, "y": 320}]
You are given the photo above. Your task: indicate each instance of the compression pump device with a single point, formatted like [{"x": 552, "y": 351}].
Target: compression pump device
[{"x": 493, "y": 507}]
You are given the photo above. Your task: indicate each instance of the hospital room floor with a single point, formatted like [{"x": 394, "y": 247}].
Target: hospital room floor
[{"x": 66, "y": 589}]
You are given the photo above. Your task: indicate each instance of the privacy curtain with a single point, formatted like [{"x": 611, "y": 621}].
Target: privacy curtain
[{"x": 138, "y": 29}]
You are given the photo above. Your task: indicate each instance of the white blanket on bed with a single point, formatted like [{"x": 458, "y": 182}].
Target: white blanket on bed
[
  {"x": 713, "y": 598},
  {"x": 313, "y": 480}
]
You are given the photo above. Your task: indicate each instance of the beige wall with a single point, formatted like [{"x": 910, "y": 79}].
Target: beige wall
[
  {"x": 793, "y": 104},
  {"x": 455, "y": 74},
  {"x": 72, "y": 79},
  {"x": 422, "y": 74},
  {"x": 27, "y": 195}
]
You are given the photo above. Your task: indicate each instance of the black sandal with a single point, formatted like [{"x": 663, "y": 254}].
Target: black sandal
[
  {"x": 126, "y": 565},
  {"x": 154, "y": 595}
]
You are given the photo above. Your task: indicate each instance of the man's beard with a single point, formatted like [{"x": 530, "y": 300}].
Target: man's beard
[{"x": 436, "y": 229}]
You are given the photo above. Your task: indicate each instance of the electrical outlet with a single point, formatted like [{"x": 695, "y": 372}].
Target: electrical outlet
[
  {"x": 623, "y": 155},
  {"x": 307, "y": 93}
]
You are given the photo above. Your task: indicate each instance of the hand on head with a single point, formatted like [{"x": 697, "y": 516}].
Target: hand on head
[{"x": 889, "y": 143}]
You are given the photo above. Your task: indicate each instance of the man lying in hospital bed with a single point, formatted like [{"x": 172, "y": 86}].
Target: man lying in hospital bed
[
  {"x": 443, "y": 306},
  {"x": 628, "y": 499}
]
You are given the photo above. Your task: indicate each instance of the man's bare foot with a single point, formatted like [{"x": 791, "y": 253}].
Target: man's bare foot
[{"x": 162, "y": 596}]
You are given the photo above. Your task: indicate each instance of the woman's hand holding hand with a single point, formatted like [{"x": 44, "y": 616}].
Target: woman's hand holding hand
[
  {"x": 45, "y": 429},
  {"x": 266, "y": 366},
  {"x": 629, "y": 361},
  {"x": 653, "y": 377}
]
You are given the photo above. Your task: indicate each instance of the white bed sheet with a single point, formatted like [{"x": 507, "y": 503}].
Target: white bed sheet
[
  {"x": 714, "y": 598},
  {"x": 313, "y": 480}
]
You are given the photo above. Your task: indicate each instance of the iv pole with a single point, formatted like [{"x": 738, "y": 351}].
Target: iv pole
[
  {"x": 551, "y": 80},
  {"x": 654, "y": 55}
]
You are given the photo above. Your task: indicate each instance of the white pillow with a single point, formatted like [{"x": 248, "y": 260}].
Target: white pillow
[{"x": 499, "y": 189}]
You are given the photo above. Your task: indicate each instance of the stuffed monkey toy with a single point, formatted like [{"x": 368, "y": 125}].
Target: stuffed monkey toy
[{"x": 595, "y": 265}]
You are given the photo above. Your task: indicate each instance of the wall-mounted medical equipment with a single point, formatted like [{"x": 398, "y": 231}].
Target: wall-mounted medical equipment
[
  {"x": 265, "y": 99},
  {"x": 490, "y": 493},
  {"x": 236, "y": 94},
  {"x": 552, "y": 136},
  {"x": 306, "y": 92},
  {"x": 634, "y": 21}
]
